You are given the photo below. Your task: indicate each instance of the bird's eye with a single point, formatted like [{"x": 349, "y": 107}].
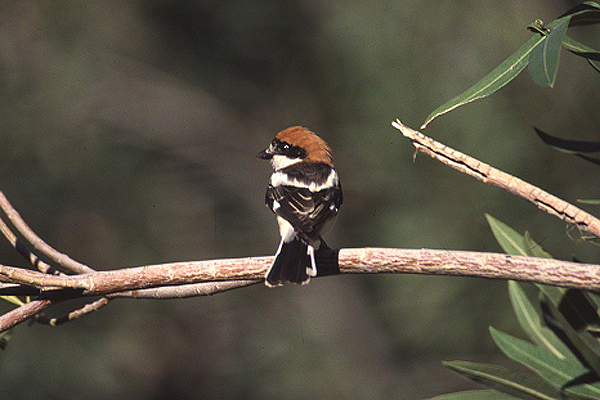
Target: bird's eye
[{"x": 286, "y": 146}]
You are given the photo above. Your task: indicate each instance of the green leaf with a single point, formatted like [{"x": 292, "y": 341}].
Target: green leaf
[
  {"x": 500, "y": 76},
  {"x": 553, "y": 293},
  {"x": 587, "y": 13},
  {"x": 510, "y": 240},
  {"x": 533, "y": 324},
  {"x": 544, "y": 57},
  {"x": 594, "y": 299},
  {"x": 475, "y": 395},
  {"x": 533, "y": 247},
  {"x": 507, "y": 381},
  {"x": 570, "y": 319},
  {"x": 560, "y": 373},
  {"x": 12, "y": 299},
  {"x": 580, "y": 49},
  {"x": 568, "y": 146},
  {"x": 578, "y": 307},
  {"x": 592, "y": 202}
]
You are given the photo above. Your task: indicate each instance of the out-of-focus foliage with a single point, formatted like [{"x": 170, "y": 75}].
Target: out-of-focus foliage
[{"x": 129, "y": 134}]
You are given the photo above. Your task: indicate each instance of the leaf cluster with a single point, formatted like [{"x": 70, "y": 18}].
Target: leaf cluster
[
  {"x": 541, "y": 54},
  {"x": 563, "y": 327}
]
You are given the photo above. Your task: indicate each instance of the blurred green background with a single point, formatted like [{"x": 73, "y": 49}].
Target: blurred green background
[{"x": 129, "y": 134}]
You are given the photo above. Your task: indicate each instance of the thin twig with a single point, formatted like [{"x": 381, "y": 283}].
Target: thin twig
[
  {"x": 16, "y": 289},
  {"x": 492, "y": 176},
  {"x": 43, "y": 281},
  {"x": 35, "y": 307},
  {"x": 38, "y": 244},
  {"x": 24, "y": 251},
  {"x": 80, "y": 312},
  {"x": 41, "y": 246},
  {"x": 187, "y": 290}
]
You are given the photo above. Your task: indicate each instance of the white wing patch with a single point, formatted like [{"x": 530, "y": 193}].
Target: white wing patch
[
  {"x": 281, "y": 178},
  {"x": 276, "y": 205}
]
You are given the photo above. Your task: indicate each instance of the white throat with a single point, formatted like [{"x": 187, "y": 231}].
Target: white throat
[{"x": 278, "y": 161}]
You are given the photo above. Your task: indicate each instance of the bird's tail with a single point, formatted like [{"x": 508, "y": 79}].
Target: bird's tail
[{"x": 294, "y": 263}]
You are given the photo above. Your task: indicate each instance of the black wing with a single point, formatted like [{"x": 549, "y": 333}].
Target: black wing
[{"x": 306, "y": 211}]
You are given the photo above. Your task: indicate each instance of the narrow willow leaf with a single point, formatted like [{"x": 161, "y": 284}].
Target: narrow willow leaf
[
  {"x": 544, "y": 57},
  {"x": 12, "y": 299},
  {"x": 554, "y": 293},
  {"x": 593, "y": 160},
  {"x": 591, "y": 202},
  {"x": 576, "y": 306},
  {"x": 507, "y": 381},
  {"x": 587, "y": 13},
  {"x": 568, "y": 146},
  {"x": 576, "y": 147},
  {"x": 580, "y": 49},
  {"x": 560, "y": 373},
  {"x": 533, "y": 324},
  {"x": 510, "y": 240},
  {"x": 499, "y": 77},
  {"x": 475, "y": 395},
  {"x": 533, "y": 247},
  {"x": 596, "y": 67},
  {"x": 594, "y": 300}
]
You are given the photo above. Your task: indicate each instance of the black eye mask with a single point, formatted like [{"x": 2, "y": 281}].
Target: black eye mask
[{"x": 286, "y": 149}]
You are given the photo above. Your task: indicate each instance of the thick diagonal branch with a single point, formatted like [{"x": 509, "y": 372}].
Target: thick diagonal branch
[{"x": 492, "y": 176}]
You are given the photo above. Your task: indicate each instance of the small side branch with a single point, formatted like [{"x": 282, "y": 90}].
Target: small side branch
[
  {"x": 492, "y": 176},
  {"x": 38, "y": 244},
  {"x": 186, "y": 290}
]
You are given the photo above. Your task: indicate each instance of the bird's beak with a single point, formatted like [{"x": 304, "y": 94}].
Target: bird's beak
[{"x": 266, "y": 154}]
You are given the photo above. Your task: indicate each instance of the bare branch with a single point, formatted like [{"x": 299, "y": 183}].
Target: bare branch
[
  {"x": 86, "y": 309},
  {"x": 355, "y": 261},
  {"x": 41, "y": 280},
  {"x": 24, "y": 251},
  {"x": 23, "y": 313},
  {"x": 492, "y": 176},
  {"x": 187, "y": 290},
  {"x": 38, "y": 244},
  {"x": 475, "y": 264},
  {"x": 163, "y": 278}
]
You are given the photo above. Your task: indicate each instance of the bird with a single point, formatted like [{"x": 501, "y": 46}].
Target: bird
[{"x": 305, "y": 194}]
